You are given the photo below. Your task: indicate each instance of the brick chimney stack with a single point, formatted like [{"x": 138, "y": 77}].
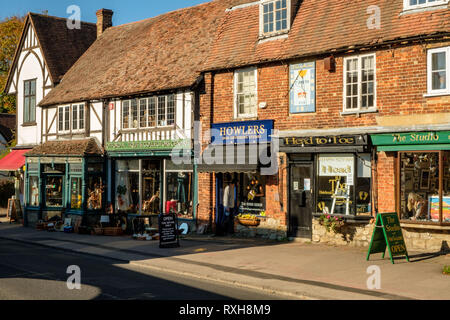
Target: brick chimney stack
[{"x": 104, "y": 20}]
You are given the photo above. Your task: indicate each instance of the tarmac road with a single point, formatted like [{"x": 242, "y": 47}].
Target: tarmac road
[{"x": 30, "y": 272}]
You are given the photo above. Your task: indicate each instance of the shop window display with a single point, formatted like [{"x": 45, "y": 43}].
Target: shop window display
[
  {"x": 419, "y": 186},
  {"x": 363, "y": 185},
  {"x": 150, "y": 186},
  {"x": 127, "y": 186},
  {"x": 54, "y": 192},
  {"x": 96, "y": 189},
  {"x": 76, "y": 194},
  {"x": 33, "y": 186},
  {"x": 179, "y": 192},
  {"x": 336, "y": 184},
  {"x": 253, "y": 197},
  {"x": 128, "y": 192},
  {"x": 178, "y": 186}
]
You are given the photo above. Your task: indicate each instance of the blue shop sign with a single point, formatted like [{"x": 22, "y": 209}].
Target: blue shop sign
[{"x": 242, "y": 132}]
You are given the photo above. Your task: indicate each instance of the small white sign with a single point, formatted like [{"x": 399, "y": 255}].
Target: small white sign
[
  {"x": 104, "y": 219},
  {"x": 350, "y": 180},
  {"x": 296, "y": 186},
  {"x": 307, "y": 184}
]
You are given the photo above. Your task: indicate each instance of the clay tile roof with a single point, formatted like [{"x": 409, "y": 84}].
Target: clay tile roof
[
  {"x": 87, "y": 147},
  {"x": 320, "y": 26},
  {"x": 161, "y": 53},
  {"x": 62, "y": 46}
]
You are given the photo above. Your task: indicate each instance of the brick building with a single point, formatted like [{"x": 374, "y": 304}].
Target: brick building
[{"x": 358, "y": 94}]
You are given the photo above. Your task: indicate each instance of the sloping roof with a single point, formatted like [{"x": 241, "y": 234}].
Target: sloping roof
[
  {"x": 86, "y": 147},
  {"x": 161, "y": 53},
  {"x": 320, "y": 26},
  {"x": 61, "y": 46}
]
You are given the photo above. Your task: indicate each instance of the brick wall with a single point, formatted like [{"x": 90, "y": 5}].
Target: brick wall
[
  {"x": 401, "y": 85},
  {"x": 386, "y": 182},
  {"x": 401, "y": 79}
]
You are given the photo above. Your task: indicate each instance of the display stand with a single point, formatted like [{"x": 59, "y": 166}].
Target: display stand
[
  {"x": 345, "y": 197},
  {"x": 388, "y": 235},
  {"x": 14, "y": 210},
  {"x": 168, "y": 231}
]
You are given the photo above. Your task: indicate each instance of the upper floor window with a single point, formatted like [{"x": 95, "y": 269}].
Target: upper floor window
[
  {"x": 274, "y": 17},
  {"x": 29, "y": 101},
  {"x": 360, "y": 83},
  {"x": 71, "y": 118},
  {"x": 439, "y": 71},
  {"x": 416, "y": 4},
  {"x": 158, "y": 111},
  {"x": 245, "y": 97}
]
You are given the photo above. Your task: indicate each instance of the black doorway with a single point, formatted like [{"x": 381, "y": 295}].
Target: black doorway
[{"x": 301, "y": 188}]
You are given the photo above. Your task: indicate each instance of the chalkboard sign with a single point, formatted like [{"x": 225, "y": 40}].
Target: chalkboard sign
[
  {"x": 388, "y": 235},
  {"x": 168, "y": 231}
]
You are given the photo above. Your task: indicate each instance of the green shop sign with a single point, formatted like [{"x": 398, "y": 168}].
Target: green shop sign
[
  {"x": 155, "y": 145},
  {"x": 416, "y": 141}
]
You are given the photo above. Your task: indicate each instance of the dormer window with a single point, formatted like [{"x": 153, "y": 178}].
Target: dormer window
[
  {"x": 275, "y": 17},
  {"x": 418, "y": 4}
]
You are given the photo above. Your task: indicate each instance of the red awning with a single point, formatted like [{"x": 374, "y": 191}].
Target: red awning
[{"x": 14, "y": 160}]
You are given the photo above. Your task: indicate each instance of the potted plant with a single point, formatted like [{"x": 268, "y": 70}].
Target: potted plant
[{"x": 332, "y": 223}]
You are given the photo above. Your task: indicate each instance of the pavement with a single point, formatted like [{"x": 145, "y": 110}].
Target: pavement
[{"x": 291, "y": 269}]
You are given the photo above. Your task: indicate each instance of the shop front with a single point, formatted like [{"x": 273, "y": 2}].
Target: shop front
[
  {"x": 64, "y": 180},
  {"x": 421, "y": 176},
  {"x": 327, "y": 177},
  {"x": 243, "y": 163},
  {"x": 145, "y": 182}
]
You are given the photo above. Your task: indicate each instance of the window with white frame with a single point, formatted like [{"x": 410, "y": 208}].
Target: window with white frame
[
  {"x": 71, "y": 118},
  {"x": 360, "y": 83},
  {"x": 274, "y": 17},
  {"x": 439, "y": 71},
  {"x": 157, "y": 111},
  {"x": 417, "y": 4},
  {"x": 245, "y": 93}
]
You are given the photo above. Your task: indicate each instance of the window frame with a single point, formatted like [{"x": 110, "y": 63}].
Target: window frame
[
  {"x": 398, "y": 194},
  {"x": 156, "y": 114},
  {"x": 427, "y": 4},
  {"x": 27, "y": 113},
  {"x": 237, "y": 115},
  {"x": 359, "y": 109},
  {"x": 430, "y": 53},
  {"x": 263, "y": 34},
  {"x": 81, "y": 110}
]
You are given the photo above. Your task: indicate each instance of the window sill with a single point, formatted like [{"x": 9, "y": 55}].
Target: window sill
[
  {"x": 246, "y": 118},
  {"x": 428, "y": 226},
  {"x": 29, "y": 124},
  {"x": 274, "y": 37},
  {"x": 349, "y": 219},
  {"x": 424, "y": 8},
  {"x": 431, "y": 95},
  {"x": 358, "y": 113}
]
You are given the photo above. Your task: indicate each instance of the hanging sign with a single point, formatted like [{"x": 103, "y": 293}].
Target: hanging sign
[
  {"x": 242, "y": 132},
  {"x": 388, "y": 235},
  {"x": 168, "y": 231},
  {"x": 335, "y": 165},
  {"x": 302, "y": 78}
]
